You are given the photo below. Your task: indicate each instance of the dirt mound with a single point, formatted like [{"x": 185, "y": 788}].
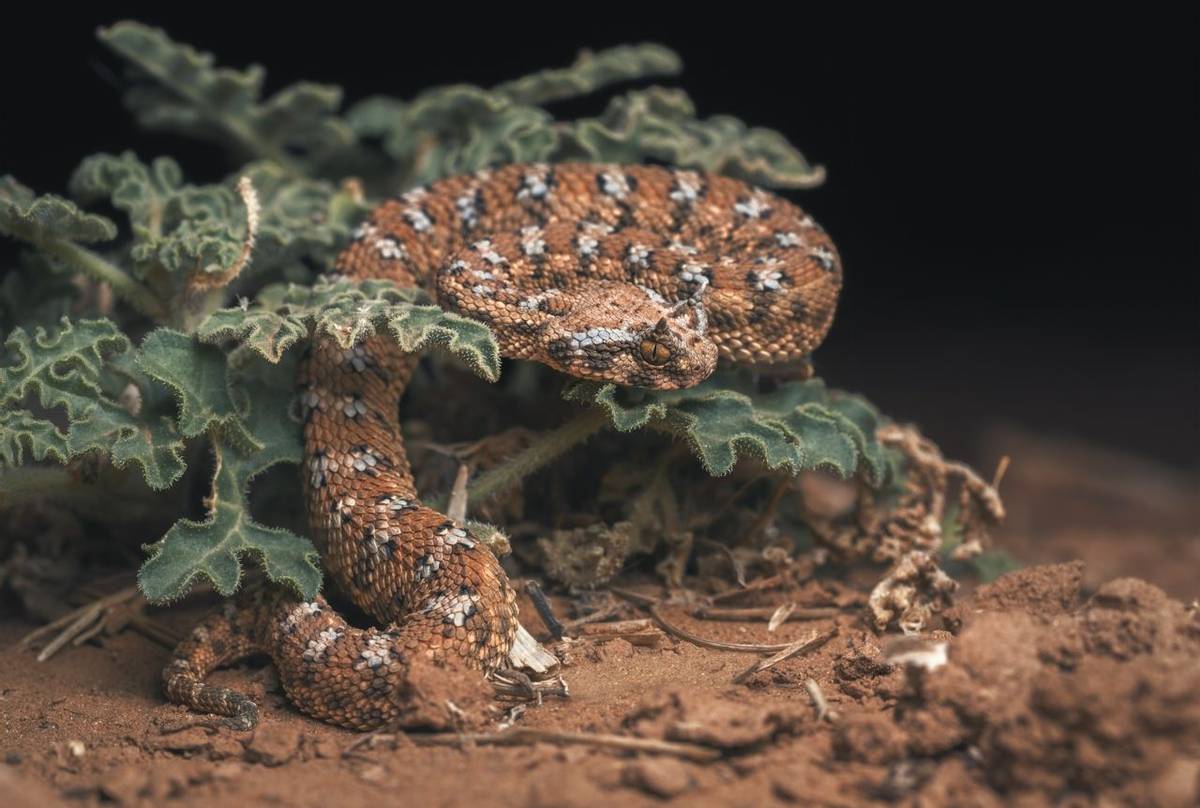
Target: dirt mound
[{"x": 1051, "y": 696}]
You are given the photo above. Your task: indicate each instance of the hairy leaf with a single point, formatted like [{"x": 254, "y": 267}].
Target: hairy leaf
[
  {"x": 151, "y": 442},
  {"x": 299, "y": 218},
  {"x": 140, "y": 190},
  {"x": 212, "y": 548},
  {"x": 177, "y": 227},
  {"x": 188, "y": 94},
  {"x": 592, "y": 71},
  {"x": 347, "y": 312},
  {"x": 189, "y": 228},
  {"x": 22, "y": 434},
  {"x": 38, "y": 218},
  {"x": 460, "y": 128},
  {"x": 196, "y": 374},
  {"x": 456, "y": 129},
  {"x": 61, "y": 368},
  {"x": 799, "y": 426},
  {"x": 661, "y": 123},
  {"x": 73, "y": 368},
  {"x": 447, "y": 130}
]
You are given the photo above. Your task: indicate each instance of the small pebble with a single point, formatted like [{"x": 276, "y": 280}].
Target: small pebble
[
  {"x": 661, "y": 776},
  {"x": 374, "y": 774}
]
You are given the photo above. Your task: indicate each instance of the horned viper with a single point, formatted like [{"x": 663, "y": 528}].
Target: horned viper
[{"x": 638, "y": 275}]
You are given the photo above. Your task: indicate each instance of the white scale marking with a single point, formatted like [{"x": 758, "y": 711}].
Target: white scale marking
[{"x": 316, "y": 648}]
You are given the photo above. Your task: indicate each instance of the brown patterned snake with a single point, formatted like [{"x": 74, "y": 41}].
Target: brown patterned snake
[{"x": 632, "y": 274}]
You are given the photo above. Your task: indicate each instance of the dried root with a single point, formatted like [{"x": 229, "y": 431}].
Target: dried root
[
  {"x": 910, "y": 595},
  {"x": 587, "y": 557},
  {"x": 883, "y": 530}
]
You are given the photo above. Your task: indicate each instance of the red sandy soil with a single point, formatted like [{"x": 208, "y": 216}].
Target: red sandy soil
[{"x": 1061, "y": 687}]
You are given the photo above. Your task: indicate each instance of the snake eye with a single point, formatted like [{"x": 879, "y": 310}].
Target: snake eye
[{"x": 654, "y": 353}]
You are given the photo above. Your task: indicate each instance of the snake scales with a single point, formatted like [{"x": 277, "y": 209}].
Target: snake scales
[{"x": 638, "y": 275}]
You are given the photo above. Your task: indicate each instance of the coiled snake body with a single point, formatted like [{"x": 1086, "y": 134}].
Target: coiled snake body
[{"x": 638, "y": 275}]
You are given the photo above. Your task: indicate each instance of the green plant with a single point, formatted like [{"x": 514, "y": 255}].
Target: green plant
[{"x": 216, "y": 287}]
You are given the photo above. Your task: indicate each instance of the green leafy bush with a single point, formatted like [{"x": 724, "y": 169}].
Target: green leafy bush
[{"x": 200, "y": 348}]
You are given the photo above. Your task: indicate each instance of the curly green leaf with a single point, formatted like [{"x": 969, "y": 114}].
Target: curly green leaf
[
  {"x": 34, "y": 218},
  {"x": 800, "y": 426},
  {"x": 661, "y": 123},
  {"x": 80, "y": 368},
  {"x": 196, "y": 374},
  {"x": 187, "y": 93},
  {"x": 56, "y": 227},
  {"x": 179, "y": 228},
  {"x": 25, "y": 436},
  {"x": 591, "y": 72},
  {"x": 456, "y": 129},
  {"x": 61, "y": 368},
  {"x": 348, "y": 312},
  {"x": 212, "y": 548}
]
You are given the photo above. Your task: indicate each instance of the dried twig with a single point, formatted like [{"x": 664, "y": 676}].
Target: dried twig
[
  {"x": 88, "y": 634},
  {"x": 598, "y": 616},
  {"x": 739, "y": 569},
  {"x": 517, "y": 685},
  {"x": 815, "y": 640},
  {"x": 757, "y": 585},
  {"x": 798, "y": 571},
  {"x": 155, "y": 631},
  {"x": 636, "y": 598},
  {"x": 818, "y": 699},
  {"x": 764, "y": 613},
  {"x": 1001, "y": 470},
  {"x": 651, "y": 605},
  {"x": 635, "y": 632},
  {"x": 615, "y": 627},
  {"x": 717, "y": 645},
  {"x": 369, "y": 739},
  {"x": 456, "y": 508},
  {"x": 780, "y": 615},
  {"x": 521, "y": 736},
  {"x": 511, "y": 717},
  {"x": 926, "y": 461},
  {"x": 651, "y": 638},
  {"x": 542, "y": 449},
  {"x": 542, "y": 604},
  {"x": 85, "y": 622},
  {"x": 766, "y": 515}
]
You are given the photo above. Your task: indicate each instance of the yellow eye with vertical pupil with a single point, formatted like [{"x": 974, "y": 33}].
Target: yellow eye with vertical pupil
[{"x": 654, "y": 353}]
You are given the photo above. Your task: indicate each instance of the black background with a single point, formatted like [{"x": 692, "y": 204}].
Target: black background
[{"x": 1014, "y": 197}]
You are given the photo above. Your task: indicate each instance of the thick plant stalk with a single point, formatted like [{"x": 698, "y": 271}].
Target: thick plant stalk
[
  {"x": 545, "y": 448},
  {"x": 95, "y": 267}
]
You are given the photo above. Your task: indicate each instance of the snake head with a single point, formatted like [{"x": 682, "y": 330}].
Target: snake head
[{"x": 621, "y": 333}]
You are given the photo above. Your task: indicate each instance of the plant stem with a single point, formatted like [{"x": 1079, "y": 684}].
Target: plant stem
[
  {"x": 96, "y": 267},
  {"x": 544, "y": 449}
]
